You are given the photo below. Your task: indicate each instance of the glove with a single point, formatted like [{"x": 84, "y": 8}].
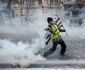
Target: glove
[
  {"x": 46, "y": 43},
  {"x": 64, "y": 30}
]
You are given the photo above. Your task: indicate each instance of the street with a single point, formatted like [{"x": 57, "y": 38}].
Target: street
[{"x": 75, "y": 47}]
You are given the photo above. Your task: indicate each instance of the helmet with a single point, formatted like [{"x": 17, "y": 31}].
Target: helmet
[{"x": 49, "y": 19}]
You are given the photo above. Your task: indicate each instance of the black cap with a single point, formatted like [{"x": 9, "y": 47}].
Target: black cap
[{"x": 49, "y": 19}]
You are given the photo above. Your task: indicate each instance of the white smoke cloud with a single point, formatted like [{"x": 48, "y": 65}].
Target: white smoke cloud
[
  {"x": 77, "y": 32},
  {"x": 21, "y": 53},
  {"x": 74, "y": 29}
]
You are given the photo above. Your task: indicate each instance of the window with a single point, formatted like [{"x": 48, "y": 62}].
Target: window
[
  {"x": 54, "y": 2},
  {"x": 57, "y": 1},
  {"x": 31, "y": 2},
  {"x": 40, "y": 2},
  {"x": 22, "y": 12},
  {"x": 22, "y": 1},
  {"x": 51, "y": 2}
]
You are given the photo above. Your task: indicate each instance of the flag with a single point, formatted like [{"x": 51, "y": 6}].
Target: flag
[{"x": 58, "y": 22}]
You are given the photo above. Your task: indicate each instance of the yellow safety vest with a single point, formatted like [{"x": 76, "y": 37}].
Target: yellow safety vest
[{"x": 56, "y": 32}]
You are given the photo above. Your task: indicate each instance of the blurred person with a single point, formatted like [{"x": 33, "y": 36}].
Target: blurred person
[{"x": 56, "y": 38}]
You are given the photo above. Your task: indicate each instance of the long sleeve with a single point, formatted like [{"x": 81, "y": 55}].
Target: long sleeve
[{"x": 61, "y": 30}]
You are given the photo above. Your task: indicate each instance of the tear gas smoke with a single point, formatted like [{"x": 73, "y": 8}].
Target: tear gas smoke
[
  {"x": 76, "y": 31},
  {"x": 23, "y": 53}
]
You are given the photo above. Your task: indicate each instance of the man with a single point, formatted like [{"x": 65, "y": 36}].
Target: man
[{"x": 56, "y": 38}]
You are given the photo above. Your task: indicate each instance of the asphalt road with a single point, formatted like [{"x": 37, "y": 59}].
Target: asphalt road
[{"x": 75, "y": 48}]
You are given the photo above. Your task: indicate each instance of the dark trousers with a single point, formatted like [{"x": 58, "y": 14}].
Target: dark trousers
[{"x": 55, "y": 43}]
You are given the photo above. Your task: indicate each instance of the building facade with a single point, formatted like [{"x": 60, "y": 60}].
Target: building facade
[{"x": 23, "y": 7}]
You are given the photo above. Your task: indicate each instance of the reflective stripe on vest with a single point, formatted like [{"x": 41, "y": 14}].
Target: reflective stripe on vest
[{"x": 56, "y": 32}]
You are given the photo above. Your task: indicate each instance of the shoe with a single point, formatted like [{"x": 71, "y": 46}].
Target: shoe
[
  {"x": 45, "y": 56},
  {"x": 62, "y": 54}
]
